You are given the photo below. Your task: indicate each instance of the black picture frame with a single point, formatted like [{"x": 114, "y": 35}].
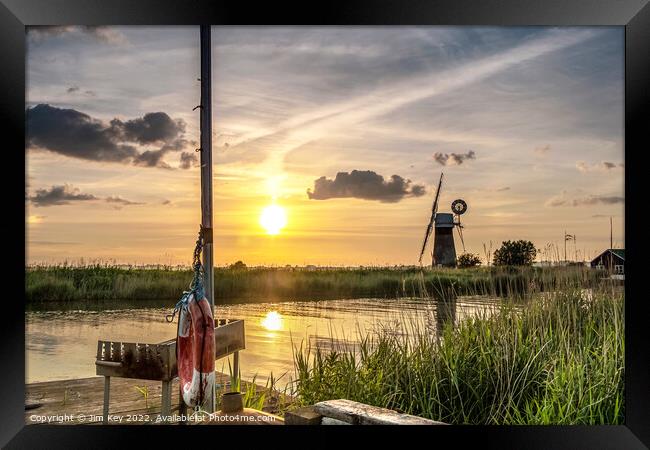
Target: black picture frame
[{"x": 634, "y": 15}]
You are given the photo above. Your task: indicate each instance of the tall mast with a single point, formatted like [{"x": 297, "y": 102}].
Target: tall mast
[{"x": 206, "y": 174}]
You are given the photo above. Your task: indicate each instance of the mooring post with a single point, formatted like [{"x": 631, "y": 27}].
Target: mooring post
[
  {"x": 206, "y": 173},
  {"x": 107, "y": 395}
]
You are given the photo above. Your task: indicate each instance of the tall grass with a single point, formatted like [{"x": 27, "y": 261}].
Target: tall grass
[
  {"x": 557, "y": 360},
  {"x": 102, "y": 282}
]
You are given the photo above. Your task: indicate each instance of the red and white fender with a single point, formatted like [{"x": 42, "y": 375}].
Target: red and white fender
[{"x": 195, "y": 351}]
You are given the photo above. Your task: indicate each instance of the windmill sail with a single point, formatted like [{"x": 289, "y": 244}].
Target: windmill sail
[{"x": 434, "y": 210}]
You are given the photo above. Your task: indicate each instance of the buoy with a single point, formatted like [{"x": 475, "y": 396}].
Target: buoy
[{"x": 195, "y": 351}]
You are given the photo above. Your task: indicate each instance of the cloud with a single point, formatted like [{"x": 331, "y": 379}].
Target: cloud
[
  {"x": 542, "y": 150},
  {"x": 59, "y": 195},
  {"x": 590, "y": 200},
  {"x": 119, "y": 202},
  {"x": 365, "y": 184},
  {"x": 77, "y": 90},
  {"x": 66, "y": 194},
  {"x": 104, "y": 34},
  {"x": 152, "y": 158},
  {"x": 453, "y": 159},
  {"x": 75, "y": 134},
  {"x": 603, "y": 166},
  {"x": 327, "y": 119},
  {"x": 188, "y": 160}
]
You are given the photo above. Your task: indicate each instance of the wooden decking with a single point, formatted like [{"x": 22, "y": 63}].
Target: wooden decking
[{"x": 80, "y": 401}]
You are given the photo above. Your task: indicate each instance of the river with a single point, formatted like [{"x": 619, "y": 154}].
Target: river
[{"x": 61, "y": 344}]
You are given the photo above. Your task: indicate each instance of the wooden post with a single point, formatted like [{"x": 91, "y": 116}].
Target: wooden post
[
  {"x": 107, "y": 395},
  {"x": 206, "y": 172},
  {"x": 166, "y": 399},
  {"x": 235, "y": 368}
]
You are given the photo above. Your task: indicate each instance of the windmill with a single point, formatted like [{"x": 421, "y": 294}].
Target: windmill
[{"x": 444, "y": 250}]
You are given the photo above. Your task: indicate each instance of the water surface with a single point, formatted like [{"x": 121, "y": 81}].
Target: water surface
[{"x": 62, "y": 344}]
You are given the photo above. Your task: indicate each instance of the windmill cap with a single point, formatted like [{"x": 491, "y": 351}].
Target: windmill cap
[{"x": 445, "y": 220}]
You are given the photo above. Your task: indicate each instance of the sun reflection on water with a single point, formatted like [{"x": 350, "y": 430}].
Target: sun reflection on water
[{"x": 272, "y": 321}]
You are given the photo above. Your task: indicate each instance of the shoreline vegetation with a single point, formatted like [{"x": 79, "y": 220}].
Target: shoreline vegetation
[
  {"x": 557, "y": 361},
  {"x": 66, "y": 284}
]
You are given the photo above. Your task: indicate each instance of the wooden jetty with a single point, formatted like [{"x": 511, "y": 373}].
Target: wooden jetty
[{"x": 133, "y": 402}]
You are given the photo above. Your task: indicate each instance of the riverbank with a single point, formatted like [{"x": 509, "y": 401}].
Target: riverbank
[
  {"x": 558, "y": 360},
  {"x": 105, "y": 283}
]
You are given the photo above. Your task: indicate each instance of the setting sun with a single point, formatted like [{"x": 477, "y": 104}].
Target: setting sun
[{"x": 273, "y": 219}]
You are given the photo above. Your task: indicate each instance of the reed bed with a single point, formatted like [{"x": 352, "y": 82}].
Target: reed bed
[
  {"x": 65, "y": 283},
  {"x": 559, "y": 359}
]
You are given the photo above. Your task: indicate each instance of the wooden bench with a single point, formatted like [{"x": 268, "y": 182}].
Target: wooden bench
[{"x": 158, "y": 361}]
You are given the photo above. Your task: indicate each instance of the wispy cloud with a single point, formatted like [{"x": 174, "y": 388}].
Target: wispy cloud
[
  {"x": 332, "y": 118},
  {"x": 565, "y": 200},
  {"x": 603, "y": 166},
  {"x": 105, "y": 34},
  {"x": 542, "y": 150},
  {"x": 66, "y": 194},
  {"x": 77, "y": 90},
  {"x": 118, "y": 202}
]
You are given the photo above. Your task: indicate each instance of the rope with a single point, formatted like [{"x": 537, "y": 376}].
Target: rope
[{"x": 196, "y": 285}]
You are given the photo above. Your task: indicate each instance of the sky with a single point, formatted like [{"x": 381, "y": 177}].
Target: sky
[{"x": 344, "y": 129}]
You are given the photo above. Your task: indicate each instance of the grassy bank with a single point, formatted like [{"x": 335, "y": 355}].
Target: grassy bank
[
  {"x": 70, "y": 284},
  {"x": 559, "y": 360}
]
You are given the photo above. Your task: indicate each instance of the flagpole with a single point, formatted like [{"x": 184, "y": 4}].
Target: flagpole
[{"x": 206, "y": 176}]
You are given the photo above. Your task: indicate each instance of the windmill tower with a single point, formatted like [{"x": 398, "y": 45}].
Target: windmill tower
[{"x": 442, "y": 225}]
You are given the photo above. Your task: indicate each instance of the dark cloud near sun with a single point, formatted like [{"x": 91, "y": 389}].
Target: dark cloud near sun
[
  {"x": 366, "y": 185},
  {"x": 75, "y": 134},
  {"x": 453, "y": 159}
]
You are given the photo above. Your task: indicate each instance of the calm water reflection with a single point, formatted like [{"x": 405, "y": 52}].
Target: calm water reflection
[{"x": 62, "y": 344}]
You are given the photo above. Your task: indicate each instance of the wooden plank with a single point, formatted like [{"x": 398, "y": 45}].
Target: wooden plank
[
  {"x": 85, "y": 396},
  {"x": 361, "y": 414},
  {"x": 229, "y": 338},
  {"x": 306, "y": 415}
]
